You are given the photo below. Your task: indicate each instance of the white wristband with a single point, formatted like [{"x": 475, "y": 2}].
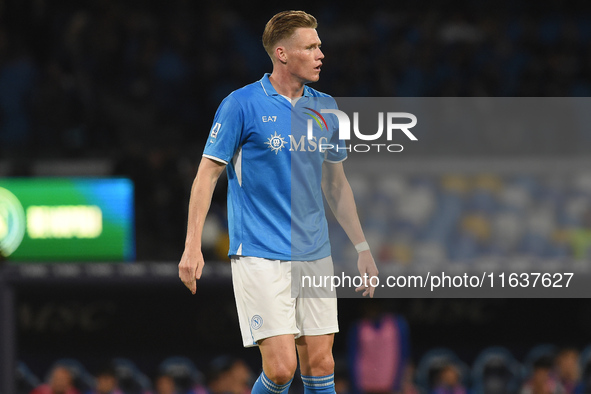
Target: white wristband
[{"x": 362, "y": 246}]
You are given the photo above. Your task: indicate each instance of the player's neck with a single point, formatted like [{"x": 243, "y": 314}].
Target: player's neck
[{"x": 285, "y": 85}]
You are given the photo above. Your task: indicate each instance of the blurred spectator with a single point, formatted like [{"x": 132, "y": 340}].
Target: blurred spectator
[
  {"x": 542, "y": 380},
  {"x": 342, "y": 385},
  {"x": 567, "y": 370},
  {"x": 106, "y": 382},
  {"x": 164, "y": 384},
  {"x": 379, "y": 351},
  {"x": 496, "y": 371},
  {"x": 60, "y": 382},
  {"x": 228, "y": 375},
  {"x": 186, "y": 377},
  {"x": 407, "y": 386},
  {"x": 342, "y": 382},
  {"x": 448, "y": 381}
]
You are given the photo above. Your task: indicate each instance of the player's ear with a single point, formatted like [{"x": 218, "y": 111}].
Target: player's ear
[{"x": 280, "y": 54}]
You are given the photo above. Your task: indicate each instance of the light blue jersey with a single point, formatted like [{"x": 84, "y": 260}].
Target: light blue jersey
[{"x": 275, "y": 206}]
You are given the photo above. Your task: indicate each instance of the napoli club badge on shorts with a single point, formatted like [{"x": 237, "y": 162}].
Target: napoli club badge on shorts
[{"x": 256, "y": 322}]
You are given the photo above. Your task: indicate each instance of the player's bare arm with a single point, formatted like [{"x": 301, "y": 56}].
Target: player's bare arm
[
  {"x": 340, "y": 198},
  {"x": 192, "y": 263}
]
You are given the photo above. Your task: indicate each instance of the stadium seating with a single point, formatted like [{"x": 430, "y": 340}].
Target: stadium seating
[
  {"x": 542, "y": 351},
  {"x": 448, "y": 218},
  {"x": 496, "y": 371},
  {"x": 431, "y": 364},
  {"x": 131, "y": 379},
  {"x": 25, "y": 379},
  {"x": 585, "y": 363},
  {"x": 184, "y": 372}
]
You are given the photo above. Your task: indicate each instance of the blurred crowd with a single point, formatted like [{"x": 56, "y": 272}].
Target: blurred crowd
[
  {"x": 545, "y": 370},
  {"x": 378, "y": 358},
  {"x": 138, "y": 82},
  {"x": 176, "y": 375},
  {"x": 105, "y": 76}
]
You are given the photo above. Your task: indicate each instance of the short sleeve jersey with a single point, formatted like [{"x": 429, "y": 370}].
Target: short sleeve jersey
[{"x": 275, "y": 205}]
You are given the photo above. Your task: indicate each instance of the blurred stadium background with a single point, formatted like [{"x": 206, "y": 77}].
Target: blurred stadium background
[{"x": 104, "y": 90}]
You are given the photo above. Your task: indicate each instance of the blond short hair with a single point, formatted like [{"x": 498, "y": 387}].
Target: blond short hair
[{"x": 283, "y": 25}]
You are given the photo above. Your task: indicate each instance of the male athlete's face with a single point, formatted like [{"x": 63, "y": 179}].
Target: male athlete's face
[{"x": 303, "y": 56}]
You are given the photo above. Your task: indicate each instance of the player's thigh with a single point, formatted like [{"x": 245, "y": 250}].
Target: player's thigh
[
  {"x": 315, "y": 354},
  {"x": 316, "y": 309},
  {"x": 262, "y": 289}
]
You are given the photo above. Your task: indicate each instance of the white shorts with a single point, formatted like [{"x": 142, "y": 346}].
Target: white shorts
[{"x": 268, "y": 306}]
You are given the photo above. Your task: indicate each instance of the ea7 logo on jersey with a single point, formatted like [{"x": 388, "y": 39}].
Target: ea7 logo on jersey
[
  {"x": 272, "y": 118},
  {"x": 215, "y": 129}
]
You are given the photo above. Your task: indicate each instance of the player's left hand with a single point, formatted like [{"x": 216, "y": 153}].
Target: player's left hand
[{"x": 367, "y": 266}]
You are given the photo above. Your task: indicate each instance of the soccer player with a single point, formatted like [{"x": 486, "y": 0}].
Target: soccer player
[{"x": 277, "y": 219}]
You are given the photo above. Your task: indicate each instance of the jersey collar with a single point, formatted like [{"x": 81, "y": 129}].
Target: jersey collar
[{"x": 270, "y": 90}]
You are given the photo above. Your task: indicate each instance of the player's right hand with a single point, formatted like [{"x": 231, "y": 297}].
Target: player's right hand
[{"x": 190, "y": 268}]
